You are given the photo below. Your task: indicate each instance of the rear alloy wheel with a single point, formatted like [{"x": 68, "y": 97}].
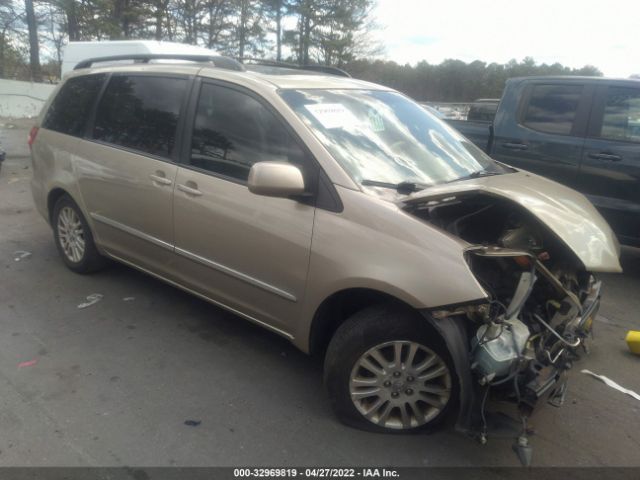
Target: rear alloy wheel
[
  {"x": 71, "y": 234},
  {"x": 74, "y": 239},
  {"x": 387, "y": 370},
  {"x": 400, "y": 385}
]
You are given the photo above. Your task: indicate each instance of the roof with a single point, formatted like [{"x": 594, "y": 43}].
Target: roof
[
  {"x": 310, "y": 81},
  {"x": 296, "y": 80}
]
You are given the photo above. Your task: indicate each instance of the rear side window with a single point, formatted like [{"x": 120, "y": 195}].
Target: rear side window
[
  {"x": 621, "y": 120},
  {"x": 141, "y": 113},
  {"x": 232, "y": 131},
  {"x": 70, "y": 110},
  {"x": 552, "y": 108}
]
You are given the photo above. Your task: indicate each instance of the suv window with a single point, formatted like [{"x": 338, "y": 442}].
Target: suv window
[
  {"x": 141, "y": 112},
  {"x": 232, "y": 131},
  {"x": 71, "y": 108},
  {"x": 552, "y": 108},
  {"x": 621, "y": 120}
]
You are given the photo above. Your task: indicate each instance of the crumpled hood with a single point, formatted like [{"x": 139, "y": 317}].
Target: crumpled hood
[{"x": 566, "y": 212}]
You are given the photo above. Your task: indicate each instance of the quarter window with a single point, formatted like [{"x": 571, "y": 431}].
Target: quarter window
[
  {"x": 232, "y": 131},
  {"x": 141, "y": 112},
  {"x": 552, "y": 108},
  {"x": 71, "y": 108},
  {"x": 621, "y": 120}
]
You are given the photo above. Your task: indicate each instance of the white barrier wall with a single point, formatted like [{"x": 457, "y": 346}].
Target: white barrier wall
[{"x": 22, "y": 99}]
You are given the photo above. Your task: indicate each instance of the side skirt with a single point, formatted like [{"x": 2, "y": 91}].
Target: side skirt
[{"x": 201, "y": 296}]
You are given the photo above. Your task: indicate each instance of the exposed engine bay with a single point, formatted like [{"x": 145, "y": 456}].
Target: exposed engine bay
[{"x": 541, "y": 300}]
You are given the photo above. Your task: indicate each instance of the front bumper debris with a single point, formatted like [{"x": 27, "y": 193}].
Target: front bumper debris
[{"x": 539, "y": 379}]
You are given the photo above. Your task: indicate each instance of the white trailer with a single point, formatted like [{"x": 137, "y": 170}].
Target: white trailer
[{"x": 75, "y": 52}]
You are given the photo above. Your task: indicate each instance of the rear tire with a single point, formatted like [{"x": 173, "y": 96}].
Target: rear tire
[
  {"x": 387, "y": 370},
  {"x": 74, "y": 239}
]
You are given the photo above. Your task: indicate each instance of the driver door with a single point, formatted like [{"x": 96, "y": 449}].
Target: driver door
[{"x": 247, "y": 252}]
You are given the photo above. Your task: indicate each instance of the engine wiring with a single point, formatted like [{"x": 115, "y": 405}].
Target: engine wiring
[{"x": 556, "y": 334}]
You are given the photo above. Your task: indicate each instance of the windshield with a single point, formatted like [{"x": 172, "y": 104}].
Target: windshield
[{"x": 383, "y": 137}]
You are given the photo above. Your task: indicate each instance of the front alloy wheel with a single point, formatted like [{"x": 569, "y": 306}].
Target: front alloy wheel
[
  {"x": 400, "y": 385},
  {"x": 388, "y": 370}
]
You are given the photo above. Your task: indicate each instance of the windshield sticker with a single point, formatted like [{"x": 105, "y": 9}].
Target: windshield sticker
[
  {"x": 332, "y": 115},
  {"x": 375, "y": 121}
]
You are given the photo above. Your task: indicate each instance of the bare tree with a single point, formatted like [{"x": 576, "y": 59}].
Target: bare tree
[
  {"x": 54, "y": 33},
  {"x": 247, "y": 33},
  {"x": 346, "y": 33},
  {"x": 34, "y": 47},
  {"x": 160, "y": 13},
  {"x": 276, "y": 11},
  {"x": 189, "y": 15},
  {"x": 8, "y": 19},
  {"x": 70, "y": 10},
  {"x": 217, "y": 23}
]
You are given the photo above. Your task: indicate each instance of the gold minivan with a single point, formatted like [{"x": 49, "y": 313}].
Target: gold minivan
[{"x": 337, "y": 213}]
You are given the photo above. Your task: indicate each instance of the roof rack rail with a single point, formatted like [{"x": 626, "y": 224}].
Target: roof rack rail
[
  {"x": 219, "y": 61},
  {"x": 312, "y": 68}
]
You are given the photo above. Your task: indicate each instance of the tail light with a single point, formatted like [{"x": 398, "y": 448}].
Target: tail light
[{"x": 32, "y": 136}]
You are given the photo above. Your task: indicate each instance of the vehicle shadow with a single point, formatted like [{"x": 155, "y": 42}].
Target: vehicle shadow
[
  {"x": 294, "y": 380},
  {"x": 210, "y": 323}
]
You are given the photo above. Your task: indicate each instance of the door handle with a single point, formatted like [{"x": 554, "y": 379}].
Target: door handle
[
  {"x": 515, "y": 146},
  {"x": 161, "y": 179},
  {"x": 193, "y": 191},
  {"x": 605, "y": 156}
]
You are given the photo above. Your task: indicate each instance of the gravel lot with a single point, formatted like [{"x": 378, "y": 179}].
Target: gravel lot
[{"x": 114, "y": 383}]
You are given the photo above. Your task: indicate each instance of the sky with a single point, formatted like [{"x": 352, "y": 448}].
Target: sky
[{"x": 575, "y": 33}]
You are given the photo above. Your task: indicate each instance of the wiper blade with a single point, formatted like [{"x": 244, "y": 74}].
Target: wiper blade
[
  {"x": 483, "y": 173},
  {"x": 404, "y": 188},
  {"x": 478, "y": 174}
]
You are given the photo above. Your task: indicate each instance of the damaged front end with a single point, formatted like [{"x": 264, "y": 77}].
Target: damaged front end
[
  {"x": 535, "y": 326},
  {"x": 519, "y": 343}
]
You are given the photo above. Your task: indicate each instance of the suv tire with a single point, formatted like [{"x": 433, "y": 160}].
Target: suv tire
[
  {"x": 414, "y": 394},
  {"x": 74, "y": 239}
]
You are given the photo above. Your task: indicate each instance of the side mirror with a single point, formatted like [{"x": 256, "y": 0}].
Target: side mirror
[{"x": 275, "y": 179}]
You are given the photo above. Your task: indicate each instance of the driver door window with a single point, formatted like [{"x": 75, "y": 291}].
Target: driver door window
[{"x": 232, "y": 131}]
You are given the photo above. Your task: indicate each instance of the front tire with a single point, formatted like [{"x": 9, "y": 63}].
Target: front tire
[
  {"x": 387, "y": 370},
  {"x": 74, "y": 239}
]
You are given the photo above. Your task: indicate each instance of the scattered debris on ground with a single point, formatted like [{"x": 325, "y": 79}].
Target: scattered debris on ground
[
  {"x": 612, "y": 384},
  {"x": 192, "y": 423},
  {"x": 91, "y": 300},
  {"x": 28, "y": 363},
  {"x": 21, "y": 255},
  {"x": 633, "y": 341}
]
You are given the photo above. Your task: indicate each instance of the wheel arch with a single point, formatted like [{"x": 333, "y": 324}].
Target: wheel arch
[
  {"x": 452, "y": 332},
  {"x": 335, "y": 309},
  {"x": 52, "y": 197}
]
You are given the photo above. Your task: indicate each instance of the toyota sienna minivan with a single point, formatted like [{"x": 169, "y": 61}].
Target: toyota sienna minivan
[{"x": 337, "y": 213}]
